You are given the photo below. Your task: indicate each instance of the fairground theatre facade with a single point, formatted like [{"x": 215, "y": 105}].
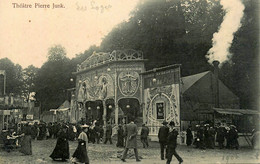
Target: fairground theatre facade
[{"x": 115, "y": 86}]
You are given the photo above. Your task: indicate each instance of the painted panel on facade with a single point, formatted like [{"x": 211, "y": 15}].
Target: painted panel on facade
[
  {"x": 128, "y": 82},
  {"x": 169, "y": 95},
  {"x": 98, "y": 88}
]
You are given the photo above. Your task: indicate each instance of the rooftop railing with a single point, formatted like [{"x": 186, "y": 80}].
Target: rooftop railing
[{"x": 101, "y": 58}]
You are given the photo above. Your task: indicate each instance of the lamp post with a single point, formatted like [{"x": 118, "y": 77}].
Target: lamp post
[
  {"x": 154, "y": 76},
  {"x": 72, "y": 111}
]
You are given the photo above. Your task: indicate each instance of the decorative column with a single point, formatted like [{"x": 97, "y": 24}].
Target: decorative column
[
  {"x": 84, "y": 112},
  {"x": 116, "y": 102},
  {"x": 3, "y": 121},
  {"x": 104, "y": 112},
  {"x": 116, "y": 113},
  {"x": 104, "y": 117}
]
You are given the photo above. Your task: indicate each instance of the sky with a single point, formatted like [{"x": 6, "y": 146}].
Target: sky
[{"x": 26, "y": 34}]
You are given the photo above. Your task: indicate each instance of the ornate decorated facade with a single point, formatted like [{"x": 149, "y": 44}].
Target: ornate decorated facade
[
  {"x": 161, "y": 97},
  {"x": 115, "y": 86},
  {"x": 109, "y": 86}
]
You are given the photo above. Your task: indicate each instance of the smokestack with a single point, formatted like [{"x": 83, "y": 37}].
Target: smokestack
[{"x": 216, "y": 85}]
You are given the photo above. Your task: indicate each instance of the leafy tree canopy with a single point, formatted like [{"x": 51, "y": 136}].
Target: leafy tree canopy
[
  {"x": 29, "y": 77},
  {"x": 13, "y": 76},
  {"x": 53, "y": 79}
]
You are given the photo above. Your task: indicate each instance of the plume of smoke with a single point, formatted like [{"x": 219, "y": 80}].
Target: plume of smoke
[{"x": 223, "y": 38}]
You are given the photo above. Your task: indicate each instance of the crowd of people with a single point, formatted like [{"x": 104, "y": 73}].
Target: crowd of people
[
  {"x": 42, "y": 130},
  {"x": 206, "y": 136}
]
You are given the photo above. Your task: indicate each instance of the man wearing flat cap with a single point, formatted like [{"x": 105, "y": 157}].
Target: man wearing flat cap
[
  {"x": 172, "y": 144},
  {"x": 162, "y": 135}
]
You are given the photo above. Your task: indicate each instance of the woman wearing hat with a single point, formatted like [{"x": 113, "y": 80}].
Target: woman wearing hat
[
  {"x": 189, "y": 136},
  {"x": 61, "y": 150},
  {"x": 80, "y": 154},
  {"x": 120, "y": 136}
]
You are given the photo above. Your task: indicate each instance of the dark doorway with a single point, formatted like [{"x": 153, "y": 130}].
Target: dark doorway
[
  {"x": 94, "y": 111},
  {"x": 110, "y": 105},
  {"x": 130, "y": 107}
]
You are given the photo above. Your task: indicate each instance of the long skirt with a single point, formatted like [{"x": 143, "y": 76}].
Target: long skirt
[
  {"x": 61, "y": 149},
  {"x": 120, "y": 141},
  {"x": 188, "y": 140},
  {"x": 26, "y": 145},
  {"x": 80, "y": 153}
]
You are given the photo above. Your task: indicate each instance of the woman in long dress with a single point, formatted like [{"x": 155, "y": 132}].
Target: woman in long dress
[
  {"x": 26, "y": 142},
  {"x": 120, "y": 136},
  {"x": 80, "y": 154},
  {"x": 61, "y": 150}
]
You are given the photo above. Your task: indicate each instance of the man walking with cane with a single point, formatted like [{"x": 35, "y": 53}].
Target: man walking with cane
[{"x": 172, "y": 144}]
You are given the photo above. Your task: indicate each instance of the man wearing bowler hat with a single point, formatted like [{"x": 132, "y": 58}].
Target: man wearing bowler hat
[
  {"x": 131, "y": 142},
  {"x": 162, "y": 135},
  {"x": 172, "y": 144}
]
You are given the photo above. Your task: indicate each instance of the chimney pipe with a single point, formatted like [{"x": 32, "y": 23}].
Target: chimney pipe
[{"x": 216, "y": 85}]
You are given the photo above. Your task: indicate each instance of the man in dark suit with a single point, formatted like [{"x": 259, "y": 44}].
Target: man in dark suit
[
  {"x": 144, "y": 135},
  {"x": 172, "y": 144},
  {"x": 108, "y": 133},
  {"x": 131, "y": 141},
  {"x": 162, "y": 135}
]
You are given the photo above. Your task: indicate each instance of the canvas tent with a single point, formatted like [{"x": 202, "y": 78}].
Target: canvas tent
[
  {"x": 60, "y": 114},
  {"x": 198, "y": 94}
]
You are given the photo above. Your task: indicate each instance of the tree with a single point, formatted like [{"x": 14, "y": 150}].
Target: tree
[
  {"x": 29, "y": 77},
  {"x": 56, "y": 53},
  {"x": 202, "y": 19},
  {"x": 169, "y": 32},
  {"x": 241, "y": 74},
  {"x": 13, "y": 76},
  {"x": 53, "y": 79},
  {"x": 83, "y": 56}
]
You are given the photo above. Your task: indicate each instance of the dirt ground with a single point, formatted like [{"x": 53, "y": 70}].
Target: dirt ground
[{"x": 107, "y": 154}]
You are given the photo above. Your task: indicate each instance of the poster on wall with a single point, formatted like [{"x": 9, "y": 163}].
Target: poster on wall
[{"x": 160, "y": 110}]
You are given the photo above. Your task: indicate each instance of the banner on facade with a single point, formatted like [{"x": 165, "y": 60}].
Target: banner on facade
[
  {"x": 29, "y": 117},
  {"x": 5, "y": 112}
]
